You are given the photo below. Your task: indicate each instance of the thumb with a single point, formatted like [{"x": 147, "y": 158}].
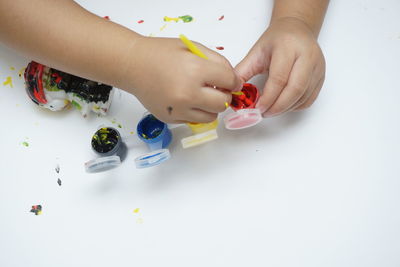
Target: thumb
[{"x": 247, "y": 68}]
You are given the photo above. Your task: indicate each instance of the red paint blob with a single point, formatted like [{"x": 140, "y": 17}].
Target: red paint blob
[
  {"x": 220, "y": 47},
  {"x": 107, "y": 17},
  {"x": 247, "y": 100},
  {"x": 221, "y": 18},
  {"x": 140, "y": 21}
]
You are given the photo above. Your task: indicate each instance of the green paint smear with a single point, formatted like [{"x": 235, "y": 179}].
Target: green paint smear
[
  {"x": 186, "y": 18},
  {"x": 25, "y": 143},
  {"x": 76, "y": 105}
]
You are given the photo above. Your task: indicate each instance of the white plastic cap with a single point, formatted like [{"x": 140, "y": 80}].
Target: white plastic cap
[
  {"x": 242, "y": 119},
  {"x": 152, "y": 159},
  {"x": 102, "y": 164}
]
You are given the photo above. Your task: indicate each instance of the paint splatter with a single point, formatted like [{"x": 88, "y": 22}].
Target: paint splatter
[
  {"x": 170, "y": 109},
  {"x": 26, "y": 144},
  {"x": 131, "y": 132},
  {"x": 8, "y": 82},
  {"x": 185, "y": 18},
  {"x": 220, "y": 47},
  {"x": 12, "y": 68},
  {"x": 59, "y": 181},
  {"x": 21, "y": 72},
  {"x": 57, "y": 168},
  {"x": 163, "y": 27},
  {"x": 136, "y": 210},
  {"x": 37, "y": 209},
  {"x": 221, "y": 18},
  {"x": 140, "y": 21},
  {"x": 114, "y": 121},
  {"x": 106, "y": 17}
]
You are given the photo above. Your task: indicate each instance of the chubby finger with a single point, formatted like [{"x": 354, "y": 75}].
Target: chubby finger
[
  {"x": 221, "y": 76},
  {"x": 278, "y": 76},
  {"x": 299, "y": 82},
  {"x": 312, "y": 97},
  {"x": 252, "y": 64},
  {"x": 212, "y": 100}
]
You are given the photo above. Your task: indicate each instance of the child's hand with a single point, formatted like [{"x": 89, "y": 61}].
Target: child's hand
[
  {"x": 176, "y": 85},
  {"x": 289, "y": 52}
]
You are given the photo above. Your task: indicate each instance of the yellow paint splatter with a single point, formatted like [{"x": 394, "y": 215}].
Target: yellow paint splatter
[
  {"x": 131, "y": 132},
  {"x": 168, "y": 19},
  {"x": 12, "y": 68},
  {"x": 8, "y": 82},
  {"x": 185, "y": 19},
  {"x": 136, "y": 210},
  {"x": 163, "y": 27}
]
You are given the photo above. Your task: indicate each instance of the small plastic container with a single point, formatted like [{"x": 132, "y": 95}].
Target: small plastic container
[
  {"x": 246, "y": 115},
  {"x": 203, "y": 133},
  {"x": 158, "y": 137},
  {"x": 107, "y": 143}
]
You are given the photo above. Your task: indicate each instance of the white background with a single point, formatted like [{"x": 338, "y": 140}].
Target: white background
[{"x": 317, "y": 188}]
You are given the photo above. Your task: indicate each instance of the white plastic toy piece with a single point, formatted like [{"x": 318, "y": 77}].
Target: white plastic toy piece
[
  {"x": 102, "y": 164},
  {"x": 199, "y": 139},
  {"x": 152, "y": 159},
  {"x": 243, "y": 118}
]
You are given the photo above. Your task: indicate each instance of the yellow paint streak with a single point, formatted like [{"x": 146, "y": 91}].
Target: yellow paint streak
[
  {"x": 163, "y": 27},
  {"x": 136, "y": 210},
  {"x": 168, "y": 19}
]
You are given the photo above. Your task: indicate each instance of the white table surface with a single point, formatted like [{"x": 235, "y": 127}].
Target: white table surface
[{"x": 316, "y": 188}]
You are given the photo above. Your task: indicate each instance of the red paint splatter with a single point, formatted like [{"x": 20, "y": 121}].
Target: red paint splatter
[
  {"x": 106, "y": 17},
  {"x": 140, "y": 21},
  {"x": 221, "y": 18},
  {"x": 220, "y": 47}
]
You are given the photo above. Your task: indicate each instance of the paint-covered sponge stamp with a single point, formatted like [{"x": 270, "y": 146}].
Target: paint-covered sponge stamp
[{"x": 56, "y": 90}]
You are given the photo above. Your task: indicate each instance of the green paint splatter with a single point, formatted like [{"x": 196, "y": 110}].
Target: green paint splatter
[
  {"x": 76, "y": 105},
  {"x": 25, "y": 143},
  {"x": 186, "y": 18}
]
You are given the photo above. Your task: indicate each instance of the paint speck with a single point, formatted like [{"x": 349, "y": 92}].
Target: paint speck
[
  {"x": 131, "y": 132},
  {"x": 170, "y": 109},
  {"x": 136, "y": 210},
  {"x": 220, "y": 48},
  {"x": 8, "y": 82},
  {"x": 26, "y": 144},
  {"x": 221, "y": 18},
  {"x": 163, "y": 27},
  {"x": 119, "y": 125},
  {"x": 106, "y": 17},
  {"x": 12, "y": 68},
  {"x": 140, "y": 21},
  {"x": 59, "y": 181},
  {"x": 37, "y": 209},
  {"x": 57, "y": 168},
  {"x": 20, "y": 72}
]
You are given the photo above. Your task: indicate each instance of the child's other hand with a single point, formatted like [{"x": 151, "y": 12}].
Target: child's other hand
[
  {"x": 288, "y": 51},
  {"x": 177, "y": 86}
]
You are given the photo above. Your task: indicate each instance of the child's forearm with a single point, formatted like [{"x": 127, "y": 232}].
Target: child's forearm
[
  {"x": 311, "y": 12},
  {"x": 63, "y": 35}
]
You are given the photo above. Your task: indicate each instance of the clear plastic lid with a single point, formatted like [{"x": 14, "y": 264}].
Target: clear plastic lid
[
  {"x": 102, "y": 164},
  {"x": 198, "y": 139},
  {"x": 242, "y": 118},
  {"x": 152, "y": 159}
]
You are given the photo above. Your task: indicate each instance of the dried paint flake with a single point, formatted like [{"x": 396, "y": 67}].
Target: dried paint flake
[
  {"x": 221, "y": 18},
  {"x": 8, "y": 82},
  {"x": 106, "y": 17},
  {"x": 220, "y": 48},
  {"x": 37, "y": 209},
  {"x": 59, "y": 181},
  {"x": 140, "y": 21},
  {"x": 25, "y": 143}
]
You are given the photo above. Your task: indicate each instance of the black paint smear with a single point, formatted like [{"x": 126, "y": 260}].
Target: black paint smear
[
  {"x": 170, "y": 110},
  {"x": 58, "y": 168},
  {"x": 59, "y": 182}
]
